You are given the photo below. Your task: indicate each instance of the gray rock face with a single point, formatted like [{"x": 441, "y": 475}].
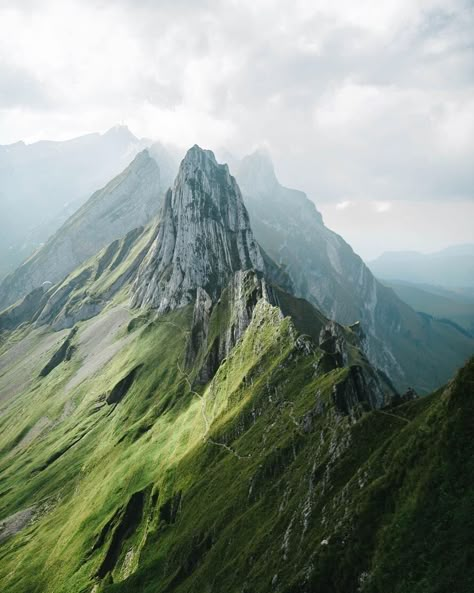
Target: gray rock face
[
  {"x": 359, "y": 392},
  {"x": 326, "y": 271},
  {"x": 233, "y": 311},
  {"x": 204, "y": 236},
  {"x": 130, "y": 200}
]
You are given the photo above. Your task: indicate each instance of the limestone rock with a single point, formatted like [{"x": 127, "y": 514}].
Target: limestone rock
[{"x": 204, "y": 236}]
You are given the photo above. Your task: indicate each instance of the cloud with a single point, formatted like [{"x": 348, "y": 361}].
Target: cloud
[
  {"x": 343, "y": 205},
  {"x": 19, "y": 87},
  {"x": 381, "y": 207},
  {"x": 425, "y": 226},
  {"x": 356, "y": 101}
]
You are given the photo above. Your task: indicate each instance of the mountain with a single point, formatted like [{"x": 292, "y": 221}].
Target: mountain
[
  {"x": 217, "y": 433},
  {"x": 204, "y": 237},
  {"x": 414, "y": 350},
  {"x": 448, "y": 305},
  {"x": 43, "y": 183},
  {"x": 451, "y": 267},
  {"x": 128, "y": 201}
]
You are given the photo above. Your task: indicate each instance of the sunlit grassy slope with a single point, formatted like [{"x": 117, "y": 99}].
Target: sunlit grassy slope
[
  {"x": 254, "y": 483},
  {"x": 120, "y": 473}
]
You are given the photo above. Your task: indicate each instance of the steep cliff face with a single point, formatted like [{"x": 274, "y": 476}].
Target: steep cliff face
[
  {"x": 217, "y": 327},
  {"x": 128, "y": 201},
  {"x": 411, "y": 349},
  {"x": 204, "y": 237}
]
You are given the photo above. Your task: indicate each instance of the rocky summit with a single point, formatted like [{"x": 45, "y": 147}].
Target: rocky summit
[
  {"x": 204, "y": 236},
  {"x": 175, "y": 419}
]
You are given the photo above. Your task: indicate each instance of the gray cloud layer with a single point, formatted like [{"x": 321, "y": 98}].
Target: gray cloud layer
[{"x": 356, "y": 101}]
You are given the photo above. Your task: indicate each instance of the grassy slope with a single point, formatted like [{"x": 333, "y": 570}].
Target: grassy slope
[
  {"x": 237, "y": 483},
  {"x": 383, "y": 505}
]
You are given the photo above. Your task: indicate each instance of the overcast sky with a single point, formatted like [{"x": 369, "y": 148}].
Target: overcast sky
[{"x": 366, "y": 106}]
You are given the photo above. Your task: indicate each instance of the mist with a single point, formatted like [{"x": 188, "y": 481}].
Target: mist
[{"x": 361, "y": 105}]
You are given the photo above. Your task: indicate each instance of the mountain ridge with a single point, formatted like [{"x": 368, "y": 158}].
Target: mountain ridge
[
  {"x": 413, "y": 350},
  {"x": 128, "y": 201},
  {"x": 325, "y": 270},
  {"x": 236, "y": 441},
  {"x": 47, "y": 180}
]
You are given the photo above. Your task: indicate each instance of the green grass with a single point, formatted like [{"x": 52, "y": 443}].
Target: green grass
[{"x": 234, "y": 486}]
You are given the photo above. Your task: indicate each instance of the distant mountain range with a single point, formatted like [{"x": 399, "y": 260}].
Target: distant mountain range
[
  {"x": 43, "y": 183},
  {"x": 457, "y": 307},
  {"x": 451, "y": 267}
]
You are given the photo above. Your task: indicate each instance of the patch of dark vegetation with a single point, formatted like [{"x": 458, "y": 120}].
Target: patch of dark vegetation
[
  {"x": 190, "y": 558},
  {"x": 168, "y": 511},
  {"x": 137, "y": 431},
  {"x": 14, "y": 442},
  {"x": 274, "y": 466},
  {"x": 64, "y": 353},
  {"x": 59, "y": 453},
  {"x": 5, "y": 492},
  {"x": 125, "y": 526},
  {"x": 120, "y": 390}
]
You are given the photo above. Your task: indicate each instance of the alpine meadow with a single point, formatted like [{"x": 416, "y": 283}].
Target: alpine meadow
[{"x": 203, "y": 387}]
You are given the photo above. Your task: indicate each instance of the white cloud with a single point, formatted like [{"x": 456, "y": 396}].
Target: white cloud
[
  {"x": 356, "y": 101},
  {"x": 418, "y": 226},
  {"x": 343, "y": 205},
  {"x": 382, "y": 207}
]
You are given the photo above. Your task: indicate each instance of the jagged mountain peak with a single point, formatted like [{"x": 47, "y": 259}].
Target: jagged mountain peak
[
  {"x": 129, "y": 200},
  {"x": 201, "y": 156},
  {"x": 256, "y": 172},
  {"x": 203, "y": 238},
  {"x": 208, "y": 189},
  {"x": 120, "y": 131}
]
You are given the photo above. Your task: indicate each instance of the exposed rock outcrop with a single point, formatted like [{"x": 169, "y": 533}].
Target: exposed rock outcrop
[
  {"x": 214, "y": 335},
  {"x": 326, "y": 271},
  {"x": 204, "y": 237},
  {"x": 332, "y": 343},
  {"x": 360, "y": 391}
]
